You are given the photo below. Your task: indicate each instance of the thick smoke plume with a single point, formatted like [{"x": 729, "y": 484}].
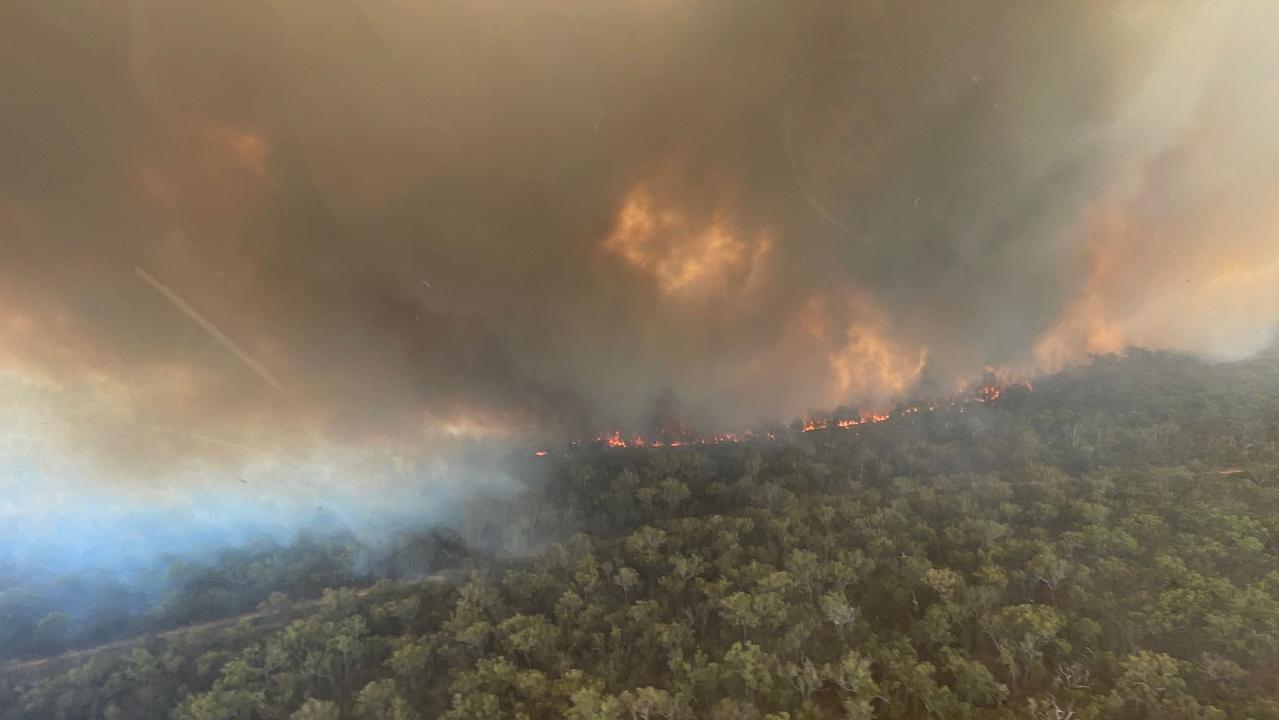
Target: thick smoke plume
[{"x": 392, "y": 224}]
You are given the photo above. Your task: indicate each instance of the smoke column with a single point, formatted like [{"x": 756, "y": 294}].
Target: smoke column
[{"x": 393, "y": 227}]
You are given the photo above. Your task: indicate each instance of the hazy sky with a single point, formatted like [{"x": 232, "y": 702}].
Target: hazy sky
[{"x": 265, "y": 236}]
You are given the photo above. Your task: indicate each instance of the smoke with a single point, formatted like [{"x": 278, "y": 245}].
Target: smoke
[{"x": 399, "y": 226}]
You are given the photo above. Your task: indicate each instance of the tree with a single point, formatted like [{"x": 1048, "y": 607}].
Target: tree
[
  {"x": 747, "y": 664},
  {"x": 51, "y": 633},
  {"x": 837, "y": 610},
  {"x": 1019, "y": 633},
  {"x": 649, "y": 703},
  {"x": 673, "y": 493},
  {"x": 380, "y": 700},
  {"x": 532, "y": 636},
  {"x": 645, "y": 544},
  {"x": 313, "y": 709},
  {"x": 852, "y": 677},
  {"x": 275, "y": 602},
  {"x": 913, "y": 569},
  {"x": 626, "y": 579},
  {"x": 738, "y": 610}
]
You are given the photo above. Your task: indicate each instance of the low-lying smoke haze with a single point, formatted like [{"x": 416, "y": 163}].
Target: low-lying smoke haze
[{"x": 263, "y": 236}]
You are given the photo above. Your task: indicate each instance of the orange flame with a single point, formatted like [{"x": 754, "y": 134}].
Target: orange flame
[
  {"x": 986, "y": 393},
  {"x": 682, "y": 255}
]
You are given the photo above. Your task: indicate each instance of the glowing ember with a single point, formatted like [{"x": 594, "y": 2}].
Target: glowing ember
[
  {"x": 846, "y": 423},
  {"x": 989, "y": 393},
  {"x": 681, "y": 437}
]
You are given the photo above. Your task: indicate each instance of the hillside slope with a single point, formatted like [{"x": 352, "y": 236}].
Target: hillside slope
[{"x": 1106, "y": 546}]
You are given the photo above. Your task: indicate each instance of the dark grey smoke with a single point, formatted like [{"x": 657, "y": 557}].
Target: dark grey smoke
[{"x": 413, "y": 215}]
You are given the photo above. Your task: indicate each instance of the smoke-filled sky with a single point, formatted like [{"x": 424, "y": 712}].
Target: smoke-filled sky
[{"x": 265, "y": 233}]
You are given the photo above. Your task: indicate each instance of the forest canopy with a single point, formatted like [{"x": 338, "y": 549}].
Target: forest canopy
[{"x": 1105, "y": 545}]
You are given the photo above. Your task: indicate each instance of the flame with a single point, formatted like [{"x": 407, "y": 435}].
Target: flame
[
  {"x": 846, "y": 423},
  {"x": 683, "y": 257},
  {"x": 1087, "y": 326},
  {"x": 1212, "y": 298},
  {"x": 985, "y": 393},
  {"x": 990, "y": 393},
  {"x": 1181, "y": 249},
  {"x": 852, "y": 333},
  {"x": 869, "y": 362}
]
